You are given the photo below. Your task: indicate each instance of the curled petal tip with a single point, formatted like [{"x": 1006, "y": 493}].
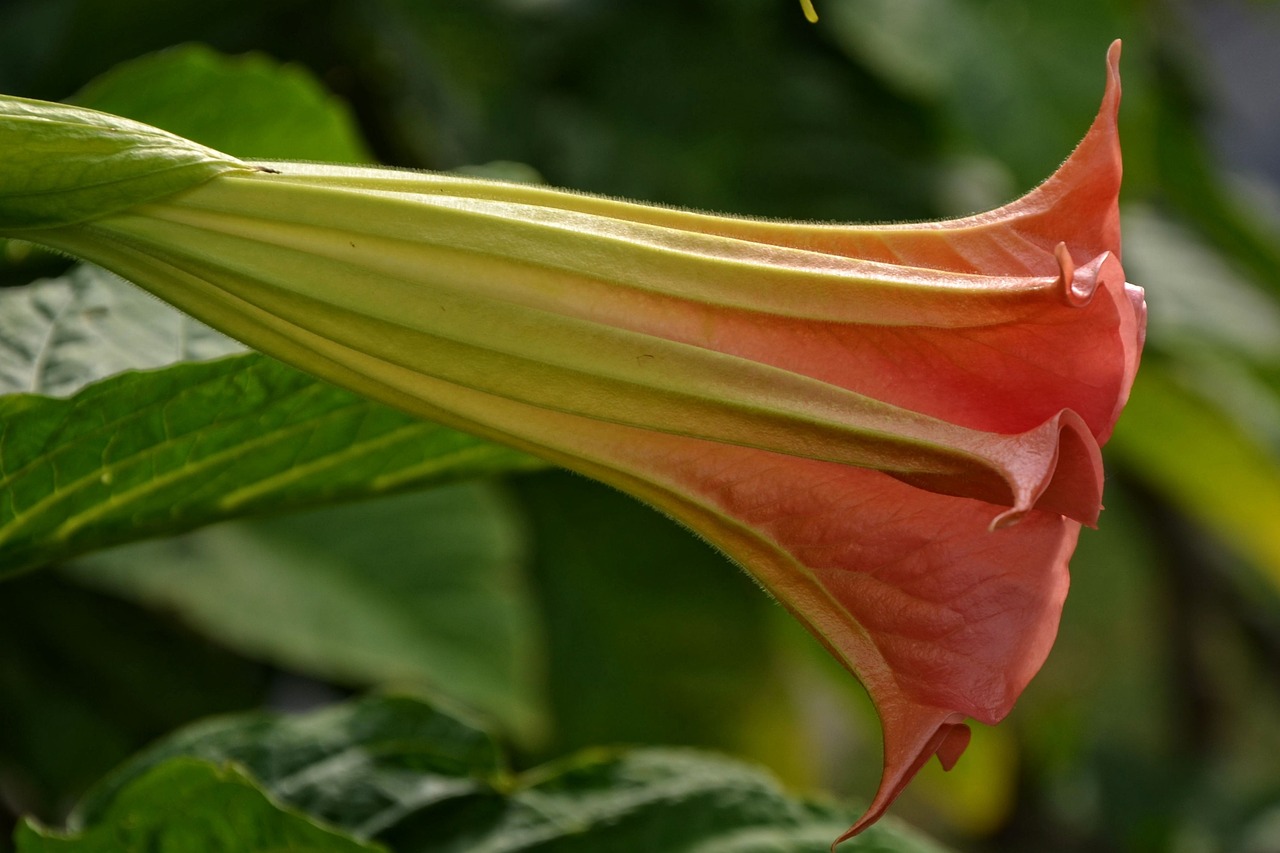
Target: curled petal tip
[
  {"x": 1067, "y": 275},
  {"x": 1087, "y": 278},
  {"x": 1078, "y": 283},
  {"x": 1075, "y": 489},
  {"x": 1062, "y": 473},
  {"x": 1007, "y": 519}
]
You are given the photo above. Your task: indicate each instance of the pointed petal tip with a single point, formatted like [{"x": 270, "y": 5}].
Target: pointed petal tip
[
  {"x": 955, "y": 740},
  {"x": 914, "y": 736},
  {"x": 1106, "y": 122},
  {"x": 1111, "y": 97},
  {"x": 1113, "y": 58},
  {"x": 1078, "y": 203},
  {"x": 1108, "y": 118}
]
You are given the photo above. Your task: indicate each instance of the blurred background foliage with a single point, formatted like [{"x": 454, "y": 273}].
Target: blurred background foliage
[{"x": 568, "y": 615}]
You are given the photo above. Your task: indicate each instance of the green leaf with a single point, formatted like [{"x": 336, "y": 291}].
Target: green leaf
[
  {"x": 250, "y": 106},
  {"x": 421, "y": 781},
  {"x": 636, "y": 801},
  {"x": 424, "y": 591},
  {"x": 148, "y": 453},
  {"x": 188, "y": 805},
  {"x": 65, "y": 164},
  {"x": 145, "y": 454},
  {"x": 362, "y": 766}
]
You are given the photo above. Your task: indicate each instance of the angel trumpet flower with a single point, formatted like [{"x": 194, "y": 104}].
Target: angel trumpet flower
[{"x": 894, "y": 429}]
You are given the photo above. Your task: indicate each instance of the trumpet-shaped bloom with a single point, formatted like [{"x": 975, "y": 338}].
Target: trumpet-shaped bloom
[{"x": 894, "y": 429}]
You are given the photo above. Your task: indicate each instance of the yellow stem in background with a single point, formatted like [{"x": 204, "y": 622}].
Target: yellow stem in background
[{"x": 809, "y": 11}]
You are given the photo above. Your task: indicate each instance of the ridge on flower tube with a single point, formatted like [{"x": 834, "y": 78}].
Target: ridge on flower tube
[{"x": 894, "y": 429}]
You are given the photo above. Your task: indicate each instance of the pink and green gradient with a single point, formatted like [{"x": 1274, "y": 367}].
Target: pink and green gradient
[{"x": 894, "y": 429}]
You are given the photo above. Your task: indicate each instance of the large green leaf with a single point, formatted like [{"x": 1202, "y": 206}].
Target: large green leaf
[
  {"x": 424, "y": 591},
  {"x": 144, "y": 454},
  {"x": 147, "y": 453},
  {"x": 362, "y": 766},
  {"x": 422, "y": 781},
  {"x": 189, "y": 806},
  {"x": 642, "y": 800}
]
